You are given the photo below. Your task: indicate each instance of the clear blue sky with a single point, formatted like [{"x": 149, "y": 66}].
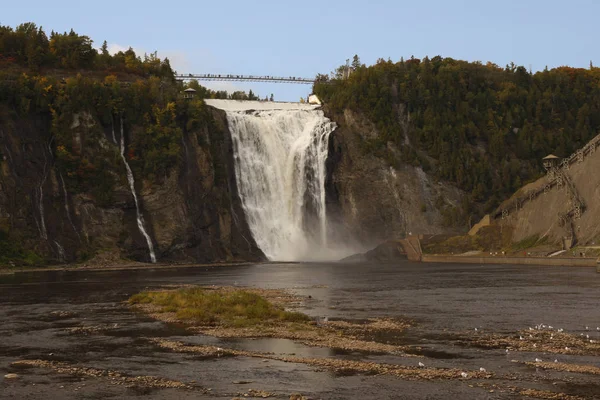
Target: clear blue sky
[{"x": 303, "y": 38}]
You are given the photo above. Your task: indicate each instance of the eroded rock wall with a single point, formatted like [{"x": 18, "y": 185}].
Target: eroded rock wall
[
  {"x": 372, "y": 201},
  {"x": 193, "y": 214}
]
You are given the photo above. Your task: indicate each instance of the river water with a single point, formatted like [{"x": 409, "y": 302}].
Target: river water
[{"x": 39, "y": 310}]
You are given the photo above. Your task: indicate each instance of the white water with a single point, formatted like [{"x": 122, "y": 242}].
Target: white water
[
  {"x": 61, "y": 251},
  {"x": 67, "y": 209},
  {"x": 280, "y": 151},
  {"x": 42, "y": 224},
  {"x": 140, "y": 217}
]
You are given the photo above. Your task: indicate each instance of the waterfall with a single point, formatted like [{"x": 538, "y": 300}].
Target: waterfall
[
  {"x": 42, "y": 223},
  {"x": 140, "y": 217},
  {"x": 67, "y": 209},
  {"x": 61, "y": 251},
  {"x": 280, "y": 151}
]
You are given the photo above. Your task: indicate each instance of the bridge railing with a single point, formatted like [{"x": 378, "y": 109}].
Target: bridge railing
[{"x": 252, "y": 78}]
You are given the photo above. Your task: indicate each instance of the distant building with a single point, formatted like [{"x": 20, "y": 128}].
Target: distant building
[
  {"x": 189, "y": 93},
  {"x": 550, "y": 161},
  {"x": 313, "y": 99}
]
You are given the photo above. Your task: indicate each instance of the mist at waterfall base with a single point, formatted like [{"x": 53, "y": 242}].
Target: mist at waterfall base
[{"x": 280, "y": 151}]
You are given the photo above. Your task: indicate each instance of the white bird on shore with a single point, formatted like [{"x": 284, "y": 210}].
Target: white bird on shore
[
  {"x": 592, "y": 341},
  {"x": 481, "y": 369},
  {"x": 538, "y": 360},
  {"x": 587, "y": 336},
  {"x": 475, "y": 329},
  {"x": 520, "y": 337},
  {"x": 421, "y": 365},
  {"x": 464, "y": 374},
  {"x": 555, "y": 360},
  {"x": 534, "y": 345},
  {"x": 560, "y": 330},
  {"x": 566, "y": 348},
  {"x": 506, "y": 351},
  {"x": 598, "y": 328},
  {"x": 587, "y": 328},
  {"x": 550, "y": 327}
]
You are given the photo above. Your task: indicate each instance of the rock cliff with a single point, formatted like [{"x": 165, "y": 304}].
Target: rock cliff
[
  {"x": 374, "y": 202},
  {"x": 192, "y": 214}
]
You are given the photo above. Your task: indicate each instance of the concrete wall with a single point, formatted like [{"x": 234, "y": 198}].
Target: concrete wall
[{"x": 562, "y": 262}]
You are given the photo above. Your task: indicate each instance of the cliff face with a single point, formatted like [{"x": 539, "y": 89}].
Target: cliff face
[
  {"x": 374, "y": 202},
  {"x": 192, "y": 214}
]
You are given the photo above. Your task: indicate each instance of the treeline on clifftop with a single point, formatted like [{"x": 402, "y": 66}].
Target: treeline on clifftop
[
  {"x": 482, "y": 127},
  {"x": 28, "y": 46}
]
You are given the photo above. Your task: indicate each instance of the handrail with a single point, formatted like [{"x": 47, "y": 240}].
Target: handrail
[{"x": 254, "y": 78}]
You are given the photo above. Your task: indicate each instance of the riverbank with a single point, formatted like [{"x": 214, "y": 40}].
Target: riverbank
[
  {"x": 117, "y": 267},
  {"x": 531, "y": 260}
]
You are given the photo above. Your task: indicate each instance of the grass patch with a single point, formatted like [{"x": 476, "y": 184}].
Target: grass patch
[
  {"x": 12, "y": 254},
  {"x": 529, "y": 242},
  {"x": 229, "y": 308}
]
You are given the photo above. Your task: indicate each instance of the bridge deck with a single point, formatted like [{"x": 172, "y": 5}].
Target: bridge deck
[{"x": 247, "y": 78}]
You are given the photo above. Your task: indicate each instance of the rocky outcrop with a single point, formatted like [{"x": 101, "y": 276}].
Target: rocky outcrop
[
  {"x": 387, "y": 252},
  {"x": 193, "y": 214},
  {"x": 372, "y": 201}
]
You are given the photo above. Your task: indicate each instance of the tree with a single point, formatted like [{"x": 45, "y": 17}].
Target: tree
[{"x": 355, "y": 63}]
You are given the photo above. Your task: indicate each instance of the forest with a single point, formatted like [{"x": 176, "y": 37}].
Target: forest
[{"x": 480, "y": 126}]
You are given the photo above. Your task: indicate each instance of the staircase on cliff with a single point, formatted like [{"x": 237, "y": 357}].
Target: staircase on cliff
[{"x": 571, "y": 183}]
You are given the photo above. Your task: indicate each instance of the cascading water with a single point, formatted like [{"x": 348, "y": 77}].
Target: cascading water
[
  {"x": 140, "y": 217},
  {"x": 280, "y": 151}
]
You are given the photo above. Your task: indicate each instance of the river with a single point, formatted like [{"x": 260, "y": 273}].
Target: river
[{"x": 80, "y": 318}]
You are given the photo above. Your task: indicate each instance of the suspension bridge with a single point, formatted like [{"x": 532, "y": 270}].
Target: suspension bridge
[{"x": 244, "y": 78}]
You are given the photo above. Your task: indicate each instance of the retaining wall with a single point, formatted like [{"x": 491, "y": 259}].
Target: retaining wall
[{"x": 562, "y": 262}]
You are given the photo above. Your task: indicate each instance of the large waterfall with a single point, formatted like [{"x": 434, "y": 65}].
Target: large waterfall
[{"x": 280, "y": 151}]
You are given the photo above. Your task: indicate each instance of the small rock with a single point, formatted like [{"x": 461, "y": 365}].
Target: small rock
[{"x": 11, "y": 376}]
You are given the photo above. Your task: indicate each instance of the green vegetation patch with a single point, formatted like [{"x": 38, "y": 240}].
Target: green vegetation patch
[
  {"x": 529, "y": 242},
  {"x": 12, "y": 253},
  {"x": 229, "y": 308}
]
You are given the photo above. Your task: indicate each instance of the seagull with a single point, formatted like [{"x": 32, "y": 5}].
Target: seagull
[
  {"x": 566, "y": 348},
  {"x": 592, "y": 341},
  {"x": 551, "y": 337},
  {"x": 530, "y": 328},
  {"x": 560, "y": 330},
  {"x": 550, "y": 327},
  {"x": 587, "y": 336},
  {"x": 520, "y": 337},
  {"x": 598, "y": 328},
  {"x": 587, "y": 328},
  {"x": 506, "y": 351},
  {"x": 534, "y": 345},
  {"x": 538, "y": 360},
  {"x": 475, "y": 329},
  {"x": 464, "y": 374},
  {"x": 421, "y": 365},
  {"x": 555, "y": 360},
  {"x": 481, "y": 369}
]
